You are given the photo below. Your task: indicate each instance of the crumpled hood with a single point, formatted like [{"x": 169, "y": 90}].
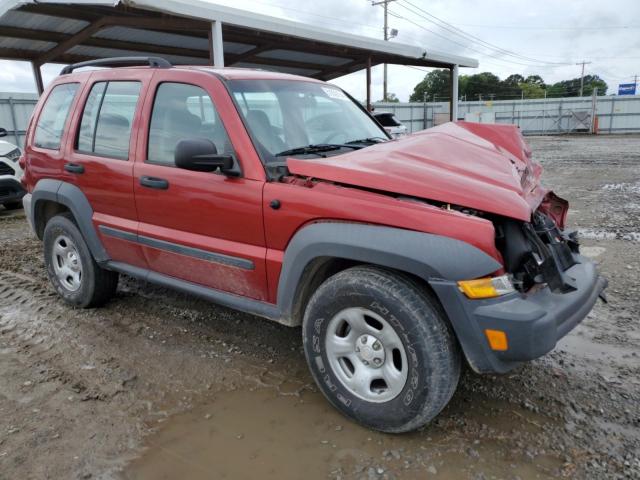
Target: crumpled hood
[{"x": 479, "y": 166}]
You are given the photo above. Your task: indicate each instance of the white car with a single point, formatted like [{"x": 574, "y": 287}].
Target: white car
[
  {"x": 391, "y": 124},
  {"x": 11, "y": 190}
]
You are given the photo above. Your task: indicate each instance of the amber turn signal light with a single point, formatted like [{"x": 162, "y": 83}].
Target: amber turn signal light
[{"x": 488, "y": 287}]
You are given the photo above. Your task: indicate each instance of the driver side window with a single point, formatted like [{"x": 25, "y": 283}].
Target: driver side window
[{"x": 180, "y": 112}]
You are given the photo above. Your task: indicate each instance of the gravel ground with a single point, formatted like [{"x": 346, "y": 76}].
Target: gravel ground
[{"x": 161, "y": 385}]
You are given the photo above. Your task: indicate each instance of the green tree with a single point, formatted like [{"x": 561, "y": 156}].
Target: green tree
[
  {"x": 558, "y": 89},
  {"x": 532, "y": 90},
  {"x": 535, "y": 80},
  {"x": 510, "y": 86},
  {"x": 485, "y": 84},
  {"x": 391, "y": 98},
  {"x": 571, "y": 88},
  {"x": 435, "y": 83},
  {"x": 513, "y": 80}
]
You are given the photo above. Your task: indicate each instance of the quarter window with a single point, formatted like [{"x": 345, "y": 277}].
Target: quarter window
[
  {"x": 180, "y": 112},
  {"x": 105, "y": 128},
  {"x": 53, "y": 118}
]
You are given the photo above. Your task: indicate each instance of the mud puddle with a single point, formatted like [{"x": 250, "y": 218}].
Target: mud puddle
[
  {"x": 261, "y": 434},
  {"x": 612, "y": 362}
]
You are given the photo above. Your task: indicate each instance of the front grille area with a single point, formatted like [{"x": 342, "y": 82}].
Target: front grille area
[
  {"x": 537, "y": 252},
  {"x": 6, "y": 169},
  {"x": 13, "y": 155}
]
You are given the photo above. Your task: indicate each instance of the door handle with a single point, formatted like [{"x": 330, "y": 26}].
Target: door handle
[
  {"x": 74, "y": 168},
  {"x": 154, "y": 182}
]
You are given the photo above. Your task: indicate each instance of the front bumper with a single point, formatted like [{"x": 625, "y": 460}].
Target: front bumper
[
  {"x": 11, "y": 190},
  {"x": 533, "y": 322}
]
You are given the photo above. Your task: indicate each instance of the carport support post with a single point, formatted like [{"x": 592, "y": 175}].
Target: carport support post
[
  {"x": 216, "y": 46},
  {"x": 453, "y": 110},
  {"x": 368, "y": 84},
  {"x": 37, "y": 75}
]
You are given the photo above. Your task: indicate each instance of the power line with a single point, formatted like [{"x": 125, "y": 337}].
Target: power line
[
  {"x": 536, "y": 27},
  {"x": 463, "y": 45},
  {"x": 467, "y": 36}
]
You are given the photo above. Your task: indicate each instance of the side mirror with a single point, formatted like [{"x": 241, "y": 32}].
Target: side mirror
[
  {"x": 201, "y": 155},
  {"x": 3, "y": 132}
]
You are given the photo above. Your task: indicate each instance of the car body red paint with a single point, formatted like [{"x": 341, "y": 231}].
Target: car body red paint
[
  {"x": 479, "y": 175},
  {"x": 311, "y": 217},
  {"x": 449, "y": 163}
]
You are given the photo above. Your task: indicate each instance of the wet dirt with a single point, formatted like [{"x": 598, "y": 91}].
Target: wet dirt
[
  {"x": 160, "y": 385},
  {"x": 304, "y": 437}
]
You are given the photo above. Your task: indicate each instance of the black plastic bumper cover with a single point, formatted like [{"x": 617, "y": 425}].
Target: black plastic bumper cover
[
  {"x": 11, "y": 190},
  {"x": 533, "y": 322}
]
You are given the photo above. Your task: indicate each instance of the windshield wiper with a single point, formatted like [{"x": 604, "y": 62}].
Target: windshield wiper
[
  {"x": 317, "y": 149},
  {"x": 369, "y": 140}
]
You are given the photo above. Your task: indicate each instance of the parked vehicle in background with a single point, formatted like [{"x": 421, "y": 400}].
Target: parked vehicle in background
[
  {"x": 11, "y": 190},
  {"x": 281, "y": 196},
  {"x": 391, "y": 124}
]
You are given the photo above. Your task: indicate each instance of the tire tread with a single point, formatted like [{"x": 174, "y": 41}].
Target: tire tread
[{"x": 420, "y": 304}]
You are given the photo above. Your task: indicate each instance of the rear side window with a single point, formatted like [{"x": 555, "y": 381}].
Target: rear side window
[
  {"x": 105, "y": 128},
  {"x": 53, "y": 117}
]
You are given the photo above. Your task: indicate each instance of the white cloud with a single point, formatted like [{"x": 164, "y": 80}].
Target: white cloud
[{"x": 552, "y": 31}]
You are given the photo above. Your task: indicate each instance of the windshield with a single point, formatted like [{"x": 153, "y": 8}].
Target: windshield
[{"x": 286, "y": 117}]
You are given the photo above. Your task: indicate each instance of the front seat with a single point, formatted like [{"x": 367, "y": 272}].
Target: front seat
[{"x": 264, "y": 132}]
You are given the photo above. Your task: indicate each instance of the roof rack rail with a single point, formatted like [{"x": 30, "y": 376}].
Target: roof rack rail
[{"x": 154, "y": 62}]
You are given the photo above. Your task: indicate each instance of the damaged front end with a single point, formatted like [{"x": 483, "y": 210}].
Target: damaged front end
[
  {"x": 537, "y": 253},
  {"x": 554, "y": 289}
]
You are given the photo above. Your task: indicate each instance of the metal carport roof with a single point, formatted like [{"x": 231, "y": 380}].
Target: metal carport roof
[{"x": 194, "y": 32}]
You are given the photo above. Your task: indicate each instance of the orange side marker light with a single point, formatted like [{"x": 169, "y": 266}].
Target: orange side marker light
[{"x": 497, "y": 340}]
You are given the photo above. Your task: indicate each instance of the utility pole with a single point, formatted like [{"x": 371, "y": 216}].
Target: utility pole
[
  {"x": 594, "y": 111},
  {"x": 583, "y": 63},
  {"x": 424, "y": 112},
  {"x": 384, "y": 4}
]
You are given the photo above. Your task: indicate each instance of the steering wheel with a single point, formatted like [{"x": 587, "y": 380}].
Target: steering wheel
[{"x": 330, "y": 138}]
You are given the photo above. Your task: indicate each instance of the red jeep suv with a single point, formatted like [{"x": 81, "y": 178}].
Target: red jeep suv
[{"x": 281, "y": 196}]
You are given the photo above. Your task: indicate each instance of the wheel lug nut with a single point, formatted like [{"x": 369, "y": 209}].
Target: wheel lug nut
[
  {"x": 377, "y": 361},
  {"x": 365, "y": 362},
  {"x": 357, "y": 348},
  {"x": 376, "y": 346},
  {"x": 364, "y": 339}
]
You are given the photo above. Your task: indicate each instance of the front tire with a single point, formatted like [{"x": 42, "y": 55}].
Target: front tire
[
  {"x": 73, "y": 272},
  {"x": 380, "y": 348}
]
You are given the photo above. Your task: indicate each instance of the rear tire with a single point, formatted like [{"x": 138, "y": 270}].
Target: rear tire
[
  {"x": 73, "y": 272},
  {"x": 381, "y": 349}
]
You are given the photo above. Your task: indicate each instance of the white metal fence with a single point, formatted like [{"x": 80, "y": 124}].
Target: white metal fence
[
  {"x": 535, "y": 117},
  {"x": 15, "y": 111},
  {"x": 615, "y": 114}
]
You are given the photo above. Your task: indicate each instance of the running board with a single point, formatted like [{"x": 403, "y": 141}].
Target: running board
[{"x": 243, "y": 304}]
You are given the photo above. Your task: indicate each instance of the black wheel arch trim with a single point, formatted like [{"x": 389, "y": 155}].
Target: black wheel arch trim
[
  {"x": 71, "y": 197},
  {"x": 424, "y": 255}
]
